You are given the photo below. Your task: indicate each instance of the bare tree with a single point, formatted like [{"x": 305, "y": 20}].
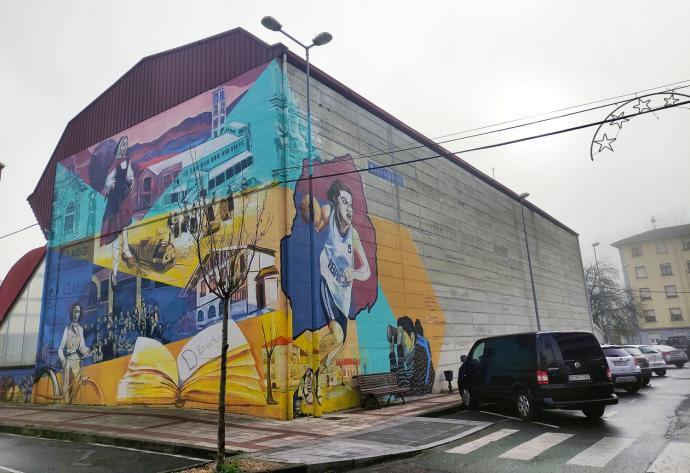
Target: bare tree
[
  {"x": 225, "y": 233},
  {"x": 615, "y": 309},
  {"x": 270, "y": 346}
]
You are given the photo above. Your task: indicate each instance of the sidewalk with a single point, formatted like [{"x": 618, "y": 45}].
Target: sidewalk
[{"x": 334, "y": 440}]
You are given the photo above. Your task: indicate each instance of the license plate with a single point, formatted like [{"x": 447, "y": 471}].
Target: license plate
[
  {"x": 579, "y": 377},
  {"x": 620, "y": 363}
]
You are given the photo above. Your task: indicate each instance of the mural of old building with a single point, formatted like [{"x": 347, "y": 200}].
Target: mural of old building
[{"x": 409, "y": 263}]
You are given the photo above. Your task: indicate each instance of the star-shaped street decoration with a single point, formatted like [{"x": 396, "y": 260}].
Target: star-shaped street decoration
[
  {"x": 642, "y": 105},
  {"x": 604, "y": 143},
  {"x": 619, "y": 120},
  {"x": 670, "y": 101}
]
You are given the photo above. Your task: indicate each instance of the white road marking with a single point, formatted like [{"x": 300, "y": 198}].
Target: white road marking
[
  {"x": 546, "y": 425},
  {"x": 499, "y": 415},
  {"x": 9, "y": 470},
  {"x": 536, "y": 446},
  {"x": 482, "y": 441},
  {"x": 675, "y": 458},
  {"x": 601, "y": 452}
]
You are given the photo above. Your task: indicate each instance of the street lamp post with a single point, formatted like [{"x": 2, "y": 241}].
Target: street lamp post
[
  {"x": 522, "y": 197},
  {"x": 319, "y": 40}
]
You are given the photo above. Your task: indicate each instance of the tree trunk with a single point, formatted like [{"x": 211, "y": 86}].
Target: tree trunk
[
  {"x": 269, "y": 387},
  {"x": 220, "y": 457}
]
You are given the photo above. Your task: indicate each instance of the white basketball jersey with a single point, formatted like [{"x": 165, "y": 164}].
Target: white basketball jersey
[{"x": 335, "y": 258}]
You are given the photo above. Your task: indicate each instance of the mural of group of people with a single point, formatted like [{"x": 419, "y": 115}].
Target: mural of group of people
[{"x": 144, "y": 186}]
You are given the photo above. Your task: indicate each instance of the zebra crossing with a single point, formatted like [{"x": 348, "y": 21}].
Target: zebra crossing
[{"x": 674, "y": 458}]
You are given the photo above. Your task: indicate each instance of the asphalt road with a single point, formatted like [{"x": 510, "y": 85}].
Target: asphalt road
[
  {"x": 646, "y": 432},
  {"x": 34, "y": 455}
]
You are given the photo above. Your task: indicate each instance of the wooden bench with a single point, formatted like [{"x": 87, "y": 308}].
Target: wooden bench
[{"x": 381, "y": 384}]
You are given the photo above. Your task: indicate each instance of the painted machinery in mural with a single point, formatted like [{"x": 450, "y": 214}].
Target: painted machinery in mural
[{"x": 155, "y": 252}]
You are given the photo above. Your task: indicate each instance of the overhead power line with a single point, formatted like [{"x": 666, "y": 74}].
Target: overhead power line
[
  {"x": 17, "y": 231},
  {"x": 417, "y": 145},
  {"x": 493, "y": 145}
]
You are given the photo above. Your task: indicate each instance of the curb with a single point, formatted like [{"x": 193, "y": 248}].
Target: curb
[{"x": 147, "y": 445}]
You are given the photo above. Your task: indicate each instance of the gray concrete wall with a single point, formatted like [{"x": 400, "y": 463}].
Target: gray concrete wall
[{"x": 469, "y": 234}]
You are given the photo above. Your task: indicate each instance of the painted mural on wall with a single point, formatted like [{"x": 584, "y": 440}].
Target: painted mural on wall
[
  {"x": 16, "y": 384},
  {"x": 127, "y": 317}
]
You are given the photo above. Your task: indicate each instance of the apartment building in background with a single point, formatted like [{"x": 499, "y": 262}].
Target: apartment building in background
[{"x": 656, "y": 266}]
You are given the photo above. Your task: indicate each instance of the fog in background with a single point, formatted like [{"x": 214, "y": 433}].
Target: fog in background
[{"x": 440, "y": 67}]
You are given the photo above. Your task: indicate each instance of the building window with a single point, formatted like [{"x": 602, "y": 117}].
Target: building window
[
  {"x": 637, "y": 251},
  {"x": 686, "y": 245},
  {"x": 93, "y": 294},
  {"x": 666, "y": 269},
  {"x": 649, "y": 316},
  {"x": 671, "y": 291},
  {"x": 200, "y": 316},
  {"x": 146, "y": 192},
  {"x": 645, "y": 293},
  {"x": 640, "y": 272},
  {"x": 202, "y": 289},
  {"x": 70, "y": 218},
  {"x": 105, "y": 286},
  {"x": 212, "y": 312},
  {"x": 676, "y": 314},
  {"x": 661, "y": 247},
  {"x": 688, "y": 266}
]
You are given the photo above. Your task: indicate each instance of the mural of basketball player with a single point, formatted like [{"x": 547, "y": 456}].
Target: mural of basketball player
[
  {"x": 342, "y": 249},
  {"x": 72, "y": 351},
  {"x": 118, "y": 207},
  {"x": 410, "y": 356}
]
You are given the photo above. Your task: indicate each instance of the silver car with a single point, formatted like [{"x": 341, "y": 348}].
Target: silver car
[
  {"x": 655, "y": 358},
  {"x": 672, "y": 356},
  {"x": 625, "y": 371}
]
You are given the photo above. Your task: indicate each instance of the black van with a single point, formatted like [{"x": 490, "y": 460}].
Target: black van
[{"x": 538, "y": 370}]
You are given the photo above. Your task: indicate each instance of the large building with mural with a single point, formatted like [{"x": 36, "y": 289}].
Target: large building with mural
[{"x": 405, "y": 255}]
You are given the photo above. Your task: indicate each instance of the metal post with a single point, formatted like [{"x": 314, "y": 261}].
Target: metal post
[{"x": 529, "y": 263}]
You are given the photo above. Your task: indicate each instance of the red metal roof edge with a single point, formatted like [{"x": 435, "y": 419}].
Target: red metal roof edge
[
  {"x": 17, "y": 277},
  {"x": 369, "y": 106}
]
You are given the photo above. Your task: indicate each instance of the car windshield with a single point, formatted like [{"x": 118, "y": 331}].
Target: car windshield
[
  {"x": 615, "y": 351},
  {"x": 568, "y": 346},
  {"x": 648, "y": 350}
]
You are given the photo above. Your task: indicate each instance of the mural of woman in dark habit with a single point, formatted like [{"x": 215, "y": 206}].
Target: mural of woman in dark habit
[
  {"x": 118, "y": 207},
  {"x": 410, "y": 356}
]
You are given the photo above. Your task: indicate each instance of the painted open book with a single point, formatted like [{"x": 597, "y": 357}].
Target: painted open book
[{"x": 155, "y": 377}]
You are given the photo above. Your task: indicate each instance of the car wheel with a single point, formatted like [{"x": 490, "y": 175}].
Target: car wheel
[
  {"x": 660, "y": 372},
  {"x": 679, "y": 365},
  {"x": 594, "y": 412},
  {"x": 633, "y": 388},
  {"x": 524, "y": 405},
  {"x": 646, "y": 380},
  {"x": 468, "y": 399}
]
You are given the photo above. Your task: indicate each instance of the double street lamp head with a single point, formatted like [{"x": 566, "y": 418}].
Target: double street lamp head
[{"x": 274, "y": 25}]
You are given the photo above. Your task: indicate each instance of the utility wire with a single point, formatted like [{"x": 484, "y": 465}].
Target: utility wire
[
  {"x": 416, "y": 145},
  {"x": 17, "y": 231},
  {"x": 493, "y": 145}
]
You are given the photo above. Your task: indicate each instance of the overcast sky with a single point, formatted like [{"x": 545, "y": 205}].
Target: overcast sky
[{"x": 441, "y": 67}]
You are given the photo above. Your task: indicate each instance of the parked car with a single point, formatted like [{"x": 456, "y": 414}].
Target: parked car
[
  {"x": 656, "y": 360},
  {"x": 538, "y": 370},
  {"x": 641, "y": 361},
  {"x": 624, "y": 369},
  {"x": 672, "y": 356}
]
